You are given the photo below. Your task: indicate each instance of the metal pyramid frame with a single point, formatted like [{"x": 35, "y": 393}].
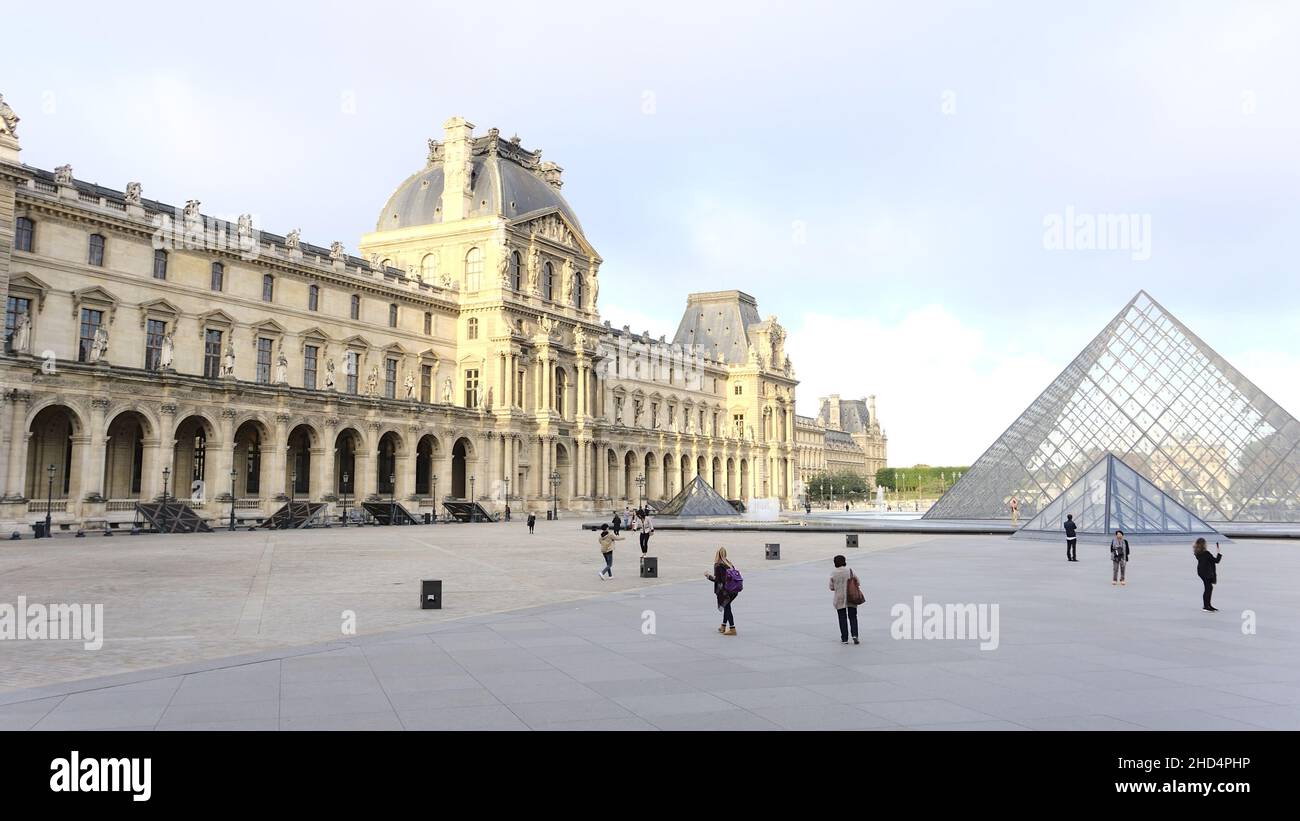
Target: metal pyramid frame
[
  {"x": 1153, "y": 393},
  {"x": 697, "y": 498},
  {"x": 1112, "y": 496}
]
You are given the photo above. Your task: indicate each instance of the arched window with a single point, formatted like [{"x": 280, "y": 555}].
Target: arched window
[
  {"x": 24, "y": 232},
  {"x": 392, "y": 316},
  {"x": 313, "y": 297},
  {"x": 354, "y": 310},
  {"x": 96, "y": 253},
  {"x": 429, "y": 267},
  {"x": 548, "y": 281},
  {"x": 268, "y": 288},
  {"x": 516, "y": 271},
  {"x": 471, "y": 328},
  {"x": 473, "y": 269},
  {"x": 218, "y": 276},
  {"x": 560, "y": 377},
  {"x": 578, "y": 286},
  {"x": 159, "y": 264}
]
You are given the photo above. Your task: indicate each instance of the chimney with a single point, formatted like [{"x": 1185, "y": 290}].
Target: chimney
[
  {"x": 457, "y": 169},
  {"x": 871, "y": 409}
]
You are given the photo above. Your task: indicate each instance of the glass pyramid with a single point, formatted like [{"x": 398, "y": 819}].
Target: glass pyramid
[
  {"x": 1112, "y": 496},
  {"x": 698, "y": 498},
  {"x": 1150, "y": 391}
]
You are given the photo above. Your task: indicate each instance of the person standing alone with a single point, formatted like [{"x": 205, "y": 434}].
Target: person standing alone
[
  {"x": 727, "y": 585},
  {"x": 532, "y": 521},
  {"x": 1070, "y": 540},
  {"x": 1207, "y": 569},
  {"x": 1118, "y": 559},
  {"x": 847, "y": 595},
  {"x": 647, "y": 530}
]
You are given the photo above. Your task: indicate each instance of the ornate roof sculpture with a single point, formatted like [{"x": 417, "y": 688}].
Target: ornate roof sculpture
[
  {"x": 1152, "y": 392},
  {"x": 1112, "y": 496}
]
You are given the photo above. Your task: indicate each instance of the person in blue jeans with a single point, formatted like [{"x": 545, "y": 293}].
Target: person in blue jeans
[
  {"x": 719, "y": 578},
  {"x": 1070, "y": 541}
]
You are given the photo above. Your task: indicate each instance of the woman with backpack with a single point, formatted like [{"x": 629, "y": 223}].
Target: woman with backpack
[
  {"x": 846, "y": 596},
  {"x": 727, "y": 584},
  {"x": 1118, "y": 559},
  {"x": 1207, "y": 569}
]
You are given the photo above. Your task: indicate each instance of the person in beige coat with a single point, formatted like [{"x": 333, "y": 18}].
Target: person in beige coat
[
  {"x": 839, "y": 587},
  {"x": 607, "y": 540}
]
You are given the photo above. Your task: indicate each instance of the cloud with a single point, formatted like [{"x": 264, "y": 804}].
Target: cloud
[{"x": 942, "y": 391}]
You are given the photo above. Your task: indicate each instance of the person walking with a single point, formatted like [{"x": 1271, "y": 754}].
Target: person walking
[
  {"x": 1070, "y": 541},
  {"x": 617, "y": 522},
  {"x": 845, "y": 598},
  {"x": 647, "y": 530},
  {"x": 507, "y": 511},
  {"x": 1015, "y": 511},
  {"x": 1119, "y": 559},
  {"x": 607, "y": 540},
  {"x": 1207, "y": 569},
  {"x": 627, "y": 517},
  {"x": 532, "y": 521},
  {"x": 727, "y": 585}
]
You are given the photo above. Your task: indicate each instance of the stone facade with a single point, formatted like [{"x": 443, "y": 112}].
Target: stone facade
[
  {"x": 461, "y": 353},
  {"x": 844, "y": 437}
]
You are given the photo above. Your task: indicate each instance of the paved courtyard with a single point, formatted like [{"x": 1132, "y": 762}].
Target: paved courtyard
[{"x": 532, "y": 639}]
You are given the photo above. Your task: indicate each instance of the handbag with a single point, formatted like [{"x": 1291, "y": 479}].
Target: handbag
[{"x": 853, "y": 595}]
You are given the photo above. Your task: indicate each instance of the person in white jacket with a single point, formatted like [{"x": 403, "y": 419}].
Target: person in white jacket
[{"x": 839, "y": 587}]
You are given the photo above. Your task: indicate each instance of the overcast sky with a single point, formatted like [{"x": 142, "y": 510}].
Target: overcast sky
[{"x": 883, "y": 177}]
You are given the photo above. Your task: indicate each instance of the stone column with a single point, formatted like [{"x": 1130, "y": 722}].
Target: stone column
[
  {"x": 364, "y": 478},
  {"x": 15, "y": 486},
  {"x": 279, "y": 450},
  {"x": 323, "y": 481},
  {"x": 442, "y": 469}
]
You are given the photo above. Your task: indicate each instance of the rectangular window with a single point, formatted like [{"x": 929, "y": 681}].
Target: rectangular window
[
  {"x": 268, "y": 288},
  {"x": 17, "y": 306},
  {"x": 264, "y": 360},
  {"x": 153, "y": 339},
  {"x": 159, "y": 264},
  {"x": 90, "y": 322},
  {"x": 355, "y": 310},
  {"x": 350, "y": 365},
  {"x": 428, "y": 324},
  {"x": 471, "y": 388},
  {"x": 426, "y": 383},
  {"x": 24, "y": 232},
  {"x": 519, "y": 389},
  {"x": 218, "y": 276},
  {"x": 212, "y": 353},
  {"x": 392, "y": 316},
  {"x": 309, "y": 354},
  {"x": 738, "y": 424},
  {"x": 96, "y": 255},
  {"x": 313, "y": 298},
  {"x": 390, "y": 378}
]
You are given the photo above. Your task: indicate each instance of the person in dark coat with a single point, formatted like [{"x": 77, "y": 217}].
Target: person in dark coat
[
  {"x": 719, "y": 578},
  {"x": 532, "y": 521},
  {"x": 617, "y": 522},
  {"x": 1119, "y": 555},
  {"x": 1207, "y": 569},
  {"x": 1070, "y": 541}
]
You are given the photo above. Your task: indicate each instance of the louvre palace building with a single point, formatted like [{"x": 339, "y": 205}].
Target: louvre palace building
[{"x": 154, "y": 350}]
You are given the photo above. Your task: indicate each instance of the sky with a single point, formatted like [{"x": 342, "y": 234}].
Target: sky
[{"x": 907, "y": 186}]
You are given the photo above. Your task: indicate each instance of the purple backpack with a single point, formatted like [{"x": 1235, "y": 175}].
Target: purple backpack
[{"x": 733, "y": 583}]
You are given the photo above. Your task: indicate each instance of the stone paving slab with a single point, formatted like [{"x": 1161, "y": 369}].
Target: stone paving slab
[{"x": 1073, "y": 653}]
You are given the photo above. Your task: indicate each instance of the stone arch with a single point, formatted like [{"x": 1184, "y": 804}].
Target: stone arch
[
  {"x": 744, "y": 480},
  {"x": 251, "y": 457},
  {"x": 131, "y": 439},
  {"x": 194, "y": 442},
  {"x": 730, "y": 492},
  {"x": 650, "y": 470},
  {"x": 55, "y": 434},
  {"x": 669, "y": 473},
  {"x": 464, "y": 458},
  {"x": 565, "y": 468},
  {"x": 716, "y": 475},
  {"x": 630, "y": 460},
  {"x": 302, "y": 449},
  {"x": 428, "y": 450},
  {"x": 389, "y": 447}
]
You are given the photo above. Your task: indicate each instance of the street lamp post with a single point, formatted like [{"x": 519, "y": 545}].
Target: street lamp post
[
  {"x": 167, "y": 473},
  {"x": 555, "y": 484},
  {"x": 507, "y": 511},
  {"x": 49, "y": 501},
  {"x": 473, "y": 514},
  {"x": 640, "y": 490},
  {"x": 434, "y": 477},
  {"x": 293, "y": 487},
  {"x": 344, "y": 490},
  {"x": 233, "y": 474},
  {"x": 392, "y": 498}
]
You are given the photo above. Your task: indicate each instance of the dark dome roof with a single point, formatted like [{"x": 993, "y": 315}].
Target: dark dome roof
[{"x": 500, "y": 187}]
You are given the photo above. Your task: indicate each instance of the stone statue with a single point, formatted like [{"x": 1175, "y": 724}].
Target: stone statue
[
  {"x": 281, "y": 367},
  {"x": 8, "y": 119},
  {"x": 503, "y": 266},
  {"x": 568, "y": 274},
  {"x": 99, "y": 347},
  {"x": 487, "y": 399},
  {"x": 133, "y": 192},
  {"x": 435, "y": 152},
  {"x": 63, "y": 175},
  {"x": 618, "y": 409},
  {"x": 329, "y": 374},
  {"x": 336, "y": 250},
  {"x": 372, "y": 381},
  {"x": 579, "y": 338},
  {"x": 228, "y": 364},
  {"x": 636, "y": 411},
  {"x": 595, "y": 288},
  {"x": 534, "y": 268},
  {"x": 193, "y": 216},
  {"x": 22, "y": 338},
  {"x": 168, "y": 352},
  {"x": 292, "y": 241},
  {"x": 409, "y": 384},
  {"x": 751, "y": 434},
  {"x": 245, "y": 226},
  {"x": 446, "y": 391}
]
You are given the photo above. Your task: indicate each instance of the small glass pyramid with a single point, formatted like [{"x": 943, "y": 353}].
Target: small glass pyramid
[
  {"x": 697, "y": 499},
  {"x": 1112, "y": 496},
  {"x": 1150, "y": 391}
]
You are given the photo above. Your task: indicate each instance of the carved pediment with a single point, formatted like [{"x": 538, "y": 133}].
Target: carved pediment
[
  {"x": 27, "y": 284},
  {"x": 158, "y": 308},
  {"x": 550, "y": 224},
  {"x": 267, "y": 327},
  {"x": 94, "y": 297},
  {"x": 357, "y": 341}
]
